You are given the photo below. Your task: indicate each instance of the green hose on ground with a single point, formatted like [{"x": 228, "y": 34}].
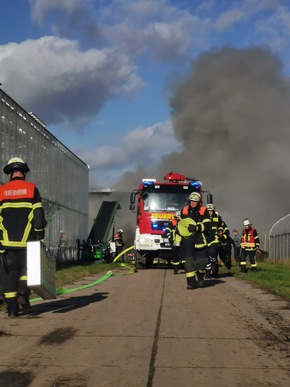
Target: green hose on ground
[
  {"x": 123, "y": 252},
  {"x": 62, "y": 290}
]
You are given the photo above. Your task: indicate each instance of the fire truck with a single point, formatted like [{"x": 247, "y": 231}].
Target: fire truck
[{"x": 155, "y": 204}]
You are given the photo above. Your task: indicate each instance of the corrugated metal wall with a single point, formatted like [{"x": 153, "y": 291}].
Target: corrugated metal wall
[
  {"x": 279, "y": 239},
  {"x": 61, "y": 177}
]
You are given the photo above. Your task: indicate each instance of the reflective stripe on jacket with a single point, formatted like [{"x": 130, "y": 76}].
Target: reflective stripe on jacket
[
  {"x": 21, "y": 214},
  {"x": 250, "y": 239},
  {"x": 203, "y": 224},
  {"x": 172, "y": 234},
  {"x": 216, "y": 222}
]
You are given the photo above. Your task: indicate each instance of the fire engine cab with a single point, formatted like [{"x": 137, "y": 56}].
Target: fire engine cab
[{"x": 155, "y": 203}]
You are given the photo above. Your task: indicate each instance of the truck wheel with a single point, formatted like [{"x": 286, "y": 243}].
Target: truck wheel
[
  {"x": 140, "y": 261},
  {"x": 149, "y": 261}
]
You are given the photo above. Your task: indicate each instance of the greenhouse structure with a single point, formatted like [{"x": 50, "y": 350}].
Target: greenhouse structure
[
  {"x": 61, "y": 177},
  {"x": 279, "y": 239}
]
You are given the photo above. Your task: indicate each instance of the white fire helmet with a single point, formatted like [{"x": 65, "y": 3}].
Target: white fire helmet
[
  {"x": 210, "y": 207},
  {"x": 121, "y": 230},
  {"x": 16, "y": 163},
  {"x": 194, "y": 197},
  {"x": 247, "y": 222}
]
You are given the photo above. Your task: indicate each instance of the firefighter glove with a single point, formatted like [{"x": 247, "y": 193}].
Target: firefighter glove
[
  {"x": 191, "y": 227},
  {"x": 39, "y": 235}
]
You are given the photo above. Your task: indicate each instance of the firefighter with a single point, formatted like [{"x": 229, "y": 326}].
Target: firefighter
[
  {"x": 118, "y": 239},
  {"x": 194, "y": 247},
  {"x": 250, "y": 242},
  {"x": 175, "y": 240},
  {"x": 213, "y": 242},
  {"x": 224, "y": 243},
  {"x": 62, "y": 247},
  {"x": 22, "y": 219}
]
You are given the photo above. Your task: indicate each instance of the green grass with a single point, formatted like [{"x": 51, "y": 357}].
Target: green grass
[
  {"x": 69, "y": 273},
  {"x": 271, "y": 276}
]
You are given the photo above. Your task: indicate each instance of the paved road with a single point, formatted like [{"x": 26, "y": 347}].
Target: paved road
[{"x": 147, "y": 329}]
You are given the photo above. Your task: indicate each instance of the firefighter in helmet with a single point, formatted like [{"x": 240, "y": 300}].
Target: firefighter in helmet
[
  {"x": 213, "y": 242},
  {"x": 250, "y": 242},
  {"x": 194, "y": 246},
  {"x": 22, "y": 219},
  {"x": 224, "y": 243},
  {"x": 175, "y": 240},
  {"x": 118, "y": 239}
]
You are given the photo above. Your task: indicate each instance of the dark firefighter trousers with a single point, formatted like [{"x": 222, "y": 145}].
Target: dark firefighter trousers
[
  {"x": 14, "y": 277},
  {"x": 213, "y": 258},
  {"x": 195, "y": 259},
  {"x": 225, "y": 255},
  {"x": 252, "y": 258},
  {"x": 176, "y": 258}
]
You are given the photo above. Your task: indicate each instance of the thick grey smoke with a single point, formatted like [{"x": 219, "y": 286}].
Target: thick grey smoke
[{"x": 232, "y": 114}]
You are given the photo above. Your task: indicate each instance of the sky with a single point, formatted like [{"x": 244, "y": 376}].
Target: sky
[{"x": 137, "y": 88}]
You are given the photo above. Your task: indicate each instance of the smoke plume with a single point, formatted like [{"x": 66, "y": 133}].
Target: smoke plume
[{"x": 231, "y": 113}]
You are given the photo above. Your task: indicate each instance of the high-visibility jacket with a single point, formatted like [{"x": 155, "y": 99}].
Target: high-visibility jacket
[
  {"x": 118, "y": 239},
  {"x": 172, "y": 234},
  {"x": 201, "y": 216},
  {"x": 21, "y": 214},
  {"x": 216, "y": 223},
  {"x": 250, "y": 239},
  {"x": 224, "y": 234}
]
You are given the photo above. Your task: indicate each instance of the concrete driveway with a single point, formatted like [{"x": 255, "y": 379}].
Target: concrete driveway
[{"x": 147, "y": 329}]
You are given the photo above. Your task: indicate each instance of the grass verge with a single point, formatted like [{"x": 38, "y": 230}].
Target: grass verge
[
  {"x": 271, "y": 276},
  {"x": 69, "y": 273}
]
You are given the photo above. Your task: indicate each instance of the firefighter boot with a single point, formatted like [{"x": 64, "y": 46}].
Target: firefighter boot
[
  {"x": 190, "y": 283},
  {"x": 200, "y": 279},
  {"x": 229, "y": 264},
  {"x": 208, "y": 270},
  {"x": 12, "y": 307},
  {"x": 23, "y": 301},
  {"x": 215, "y": 270},
  {"x": 175, "y": 269}
]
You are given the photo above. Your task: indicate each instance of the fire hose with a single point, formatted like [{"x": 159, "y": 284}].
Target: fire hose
[
  {"x": 62, "y": 290},
  {"x": 123, "y": 252}
]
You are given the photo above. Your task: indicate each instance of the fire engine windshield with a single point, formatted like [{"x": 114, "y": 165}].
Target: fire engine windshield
[{"x": 165, "y": 201}]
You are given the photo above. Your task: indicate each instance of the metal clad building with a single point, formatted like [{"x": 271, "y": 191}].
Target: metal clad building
[
  {"x": 61, "y": 177},
  {"x": 279, "y": 239}
]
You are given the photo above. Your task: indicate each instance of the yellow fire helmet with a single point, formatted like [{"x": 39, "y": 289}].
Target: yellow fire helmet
[
  {"x": 195, "y": 197},
  {"x": 177, "y": 214}
]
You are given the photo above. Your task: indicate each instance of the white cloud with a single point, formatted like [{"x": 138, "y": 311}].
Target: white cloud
[
  {"x": 229, "y": 18},
  {"x": 63, "y": 83},
  {"x": 158, "y": 29},
  {"x": 241, "y": 11},
  {"x": 275, "y": 30},
  {"x": 206, "y": 5},
  {"x": 141, "y": 146}
]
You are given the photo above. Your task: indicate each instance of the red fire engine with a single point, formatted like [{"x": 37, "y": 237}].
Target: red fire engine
[{"x": 157, "y": 203}]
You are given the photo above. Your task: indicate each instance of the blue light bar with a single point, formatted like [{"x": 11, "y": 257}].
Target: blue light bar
[
  {"x": 195, "y": 184},
  {"x": 147, "y": 183}
]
